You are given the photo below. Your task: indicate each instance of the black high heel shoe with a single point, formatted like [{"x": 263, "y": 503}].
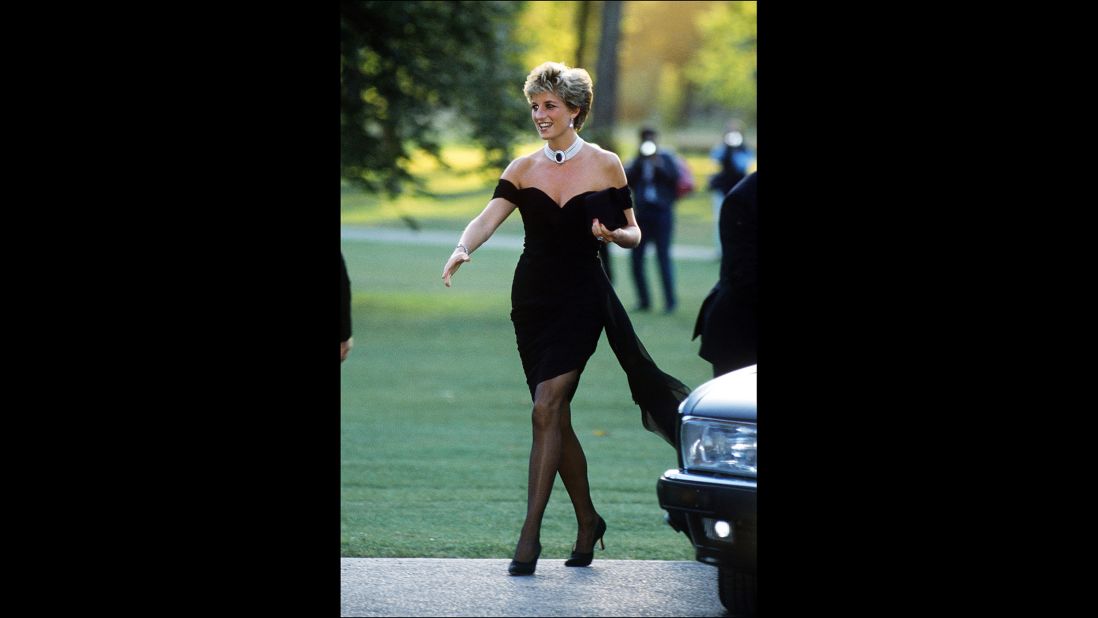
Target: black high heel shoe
[
  {"x": 525, "y": 568},
  {"x": 580, "y": 559}
]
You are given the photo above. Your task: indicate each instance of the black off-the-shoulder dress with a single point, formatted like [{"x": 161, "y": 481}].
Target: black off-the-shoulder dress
[{"x": 561, "y": 300}]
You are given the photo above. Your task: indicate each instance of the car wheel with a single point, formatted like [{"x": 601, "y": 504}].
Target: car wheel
[{"x": 737, "y": 590}]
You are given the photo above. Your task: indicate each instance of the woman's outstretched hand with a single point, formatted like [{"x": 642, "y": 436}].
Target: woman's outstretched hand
[{"x": 454, "y": 263}]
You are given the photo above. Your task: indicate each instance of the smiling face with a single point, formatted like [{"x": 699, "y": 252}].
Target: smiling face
[{"x": 550, "y": 114}]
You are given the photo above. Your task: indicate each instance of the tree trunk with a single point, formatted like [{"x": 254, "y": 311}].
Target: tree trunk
[
  {"x": 583, "y": 16},
  {"x": 604, "y": 108}
]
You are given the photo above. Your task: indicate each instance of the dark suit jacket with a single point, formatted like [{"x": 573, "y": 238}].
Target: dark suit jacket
[
  {"x": 664, "y": 178},
  {"x": 728, "y": 319},
  {"x": 344, "y": 301}
]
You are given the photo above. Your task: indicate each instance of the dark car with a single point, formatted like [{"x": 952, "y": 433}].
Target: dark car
[{"x": 711, "y": 496}]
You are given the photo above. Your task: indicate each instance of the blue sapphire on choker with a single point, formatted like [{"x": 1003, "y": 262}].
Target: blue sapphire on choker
[{"x": 560, "y": 156}]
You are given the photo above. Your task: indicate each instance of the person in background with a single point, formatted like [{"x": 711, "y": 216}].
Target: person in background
[
  {"x": 729, "y": 317},
  {"x": 653, "y": 177},
  {"x": 736, "y": 161},
  {"x": 346, "y": 341}
]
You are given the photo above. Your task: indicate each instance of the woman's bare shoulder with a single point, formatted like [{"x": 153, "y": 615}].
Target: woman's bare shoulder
[
  {"x": 516, "y": 171},
  {"x": 609, "y": 164}
]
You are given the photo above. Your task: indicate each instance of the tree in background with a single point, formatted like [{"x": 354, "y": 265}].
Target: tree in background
[
  {"x": 725, "y": 66},
  {"x": 584, "y": 14},
  {"x": 605, "y": 104},
  {"x": 403, "y": 63},
  {"x": 550, "y": 32}
]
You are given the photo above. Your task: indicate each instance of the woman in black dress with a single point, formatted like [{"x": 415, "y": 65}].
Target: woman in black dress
[{"x": 572, "y": 195}]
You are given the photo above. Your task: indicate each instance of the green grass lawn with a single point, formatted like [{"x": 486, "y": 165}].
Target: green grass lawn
[{"x": 435, "y": 413}]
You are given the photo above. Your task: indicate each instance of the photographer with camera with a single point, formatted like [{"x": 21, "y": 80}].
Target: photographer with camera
[{"x": 653, "y": 177}]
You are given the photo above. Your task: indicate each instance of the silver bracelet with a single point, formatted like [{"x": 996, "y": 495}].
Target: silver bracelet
[{"x": 463, "y": 248}]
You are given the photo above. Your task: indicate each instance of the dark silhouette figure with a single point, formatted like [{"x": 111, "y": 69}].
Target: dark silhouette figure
[
  {"x": 728, "y": 319},
  {"x": 345, "y": 339},
  {"x": 735, "y": 160}
]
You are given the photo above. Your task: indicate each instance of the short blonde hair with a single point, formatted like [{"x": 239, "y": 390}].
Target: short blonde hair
[{"x": 572, "y": 85}]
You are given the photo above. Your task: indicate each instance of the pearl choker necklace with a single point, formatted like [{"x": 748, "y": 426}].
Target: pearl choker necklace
[{"x": 560, "y": 156}]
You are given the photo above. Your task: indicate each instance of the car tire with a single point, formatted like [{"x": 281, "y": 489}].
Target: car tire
[{"x": 737, "y": 589}]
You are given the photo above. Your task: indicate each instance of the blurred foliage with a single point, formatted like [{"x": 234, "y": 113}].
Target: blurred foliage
[
  {"x": 412, "y": 72},
  {"x": 725, "y": 66},
  {"x": 550, "y": 29},
  {"x": 416, "y": 75},
  {"x": 677, "y": 61},
  {"x": 672, "y": 96},
  {"x": 658, "y": 40}
]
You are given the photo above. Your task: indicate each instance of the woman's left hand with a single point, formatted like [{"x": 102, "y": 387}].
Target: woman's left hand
[{"x": 602, "y": 232}]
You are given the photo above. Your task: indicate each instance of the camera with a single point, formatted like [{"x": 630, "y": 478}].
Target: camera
[
  {"x": 733, "y": 138},
  {"x": 648, "y": 148}
]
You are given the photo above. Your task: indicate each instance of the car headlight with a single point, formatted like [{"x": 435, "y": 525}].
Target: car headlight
[{"x": 719, "y": 446}]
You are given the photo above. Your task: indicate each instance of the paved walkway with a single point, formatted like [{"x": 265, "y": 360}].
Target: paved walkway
[
  {"x": 459, "y": 587},
  {"x": 497, "y": 241}
]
